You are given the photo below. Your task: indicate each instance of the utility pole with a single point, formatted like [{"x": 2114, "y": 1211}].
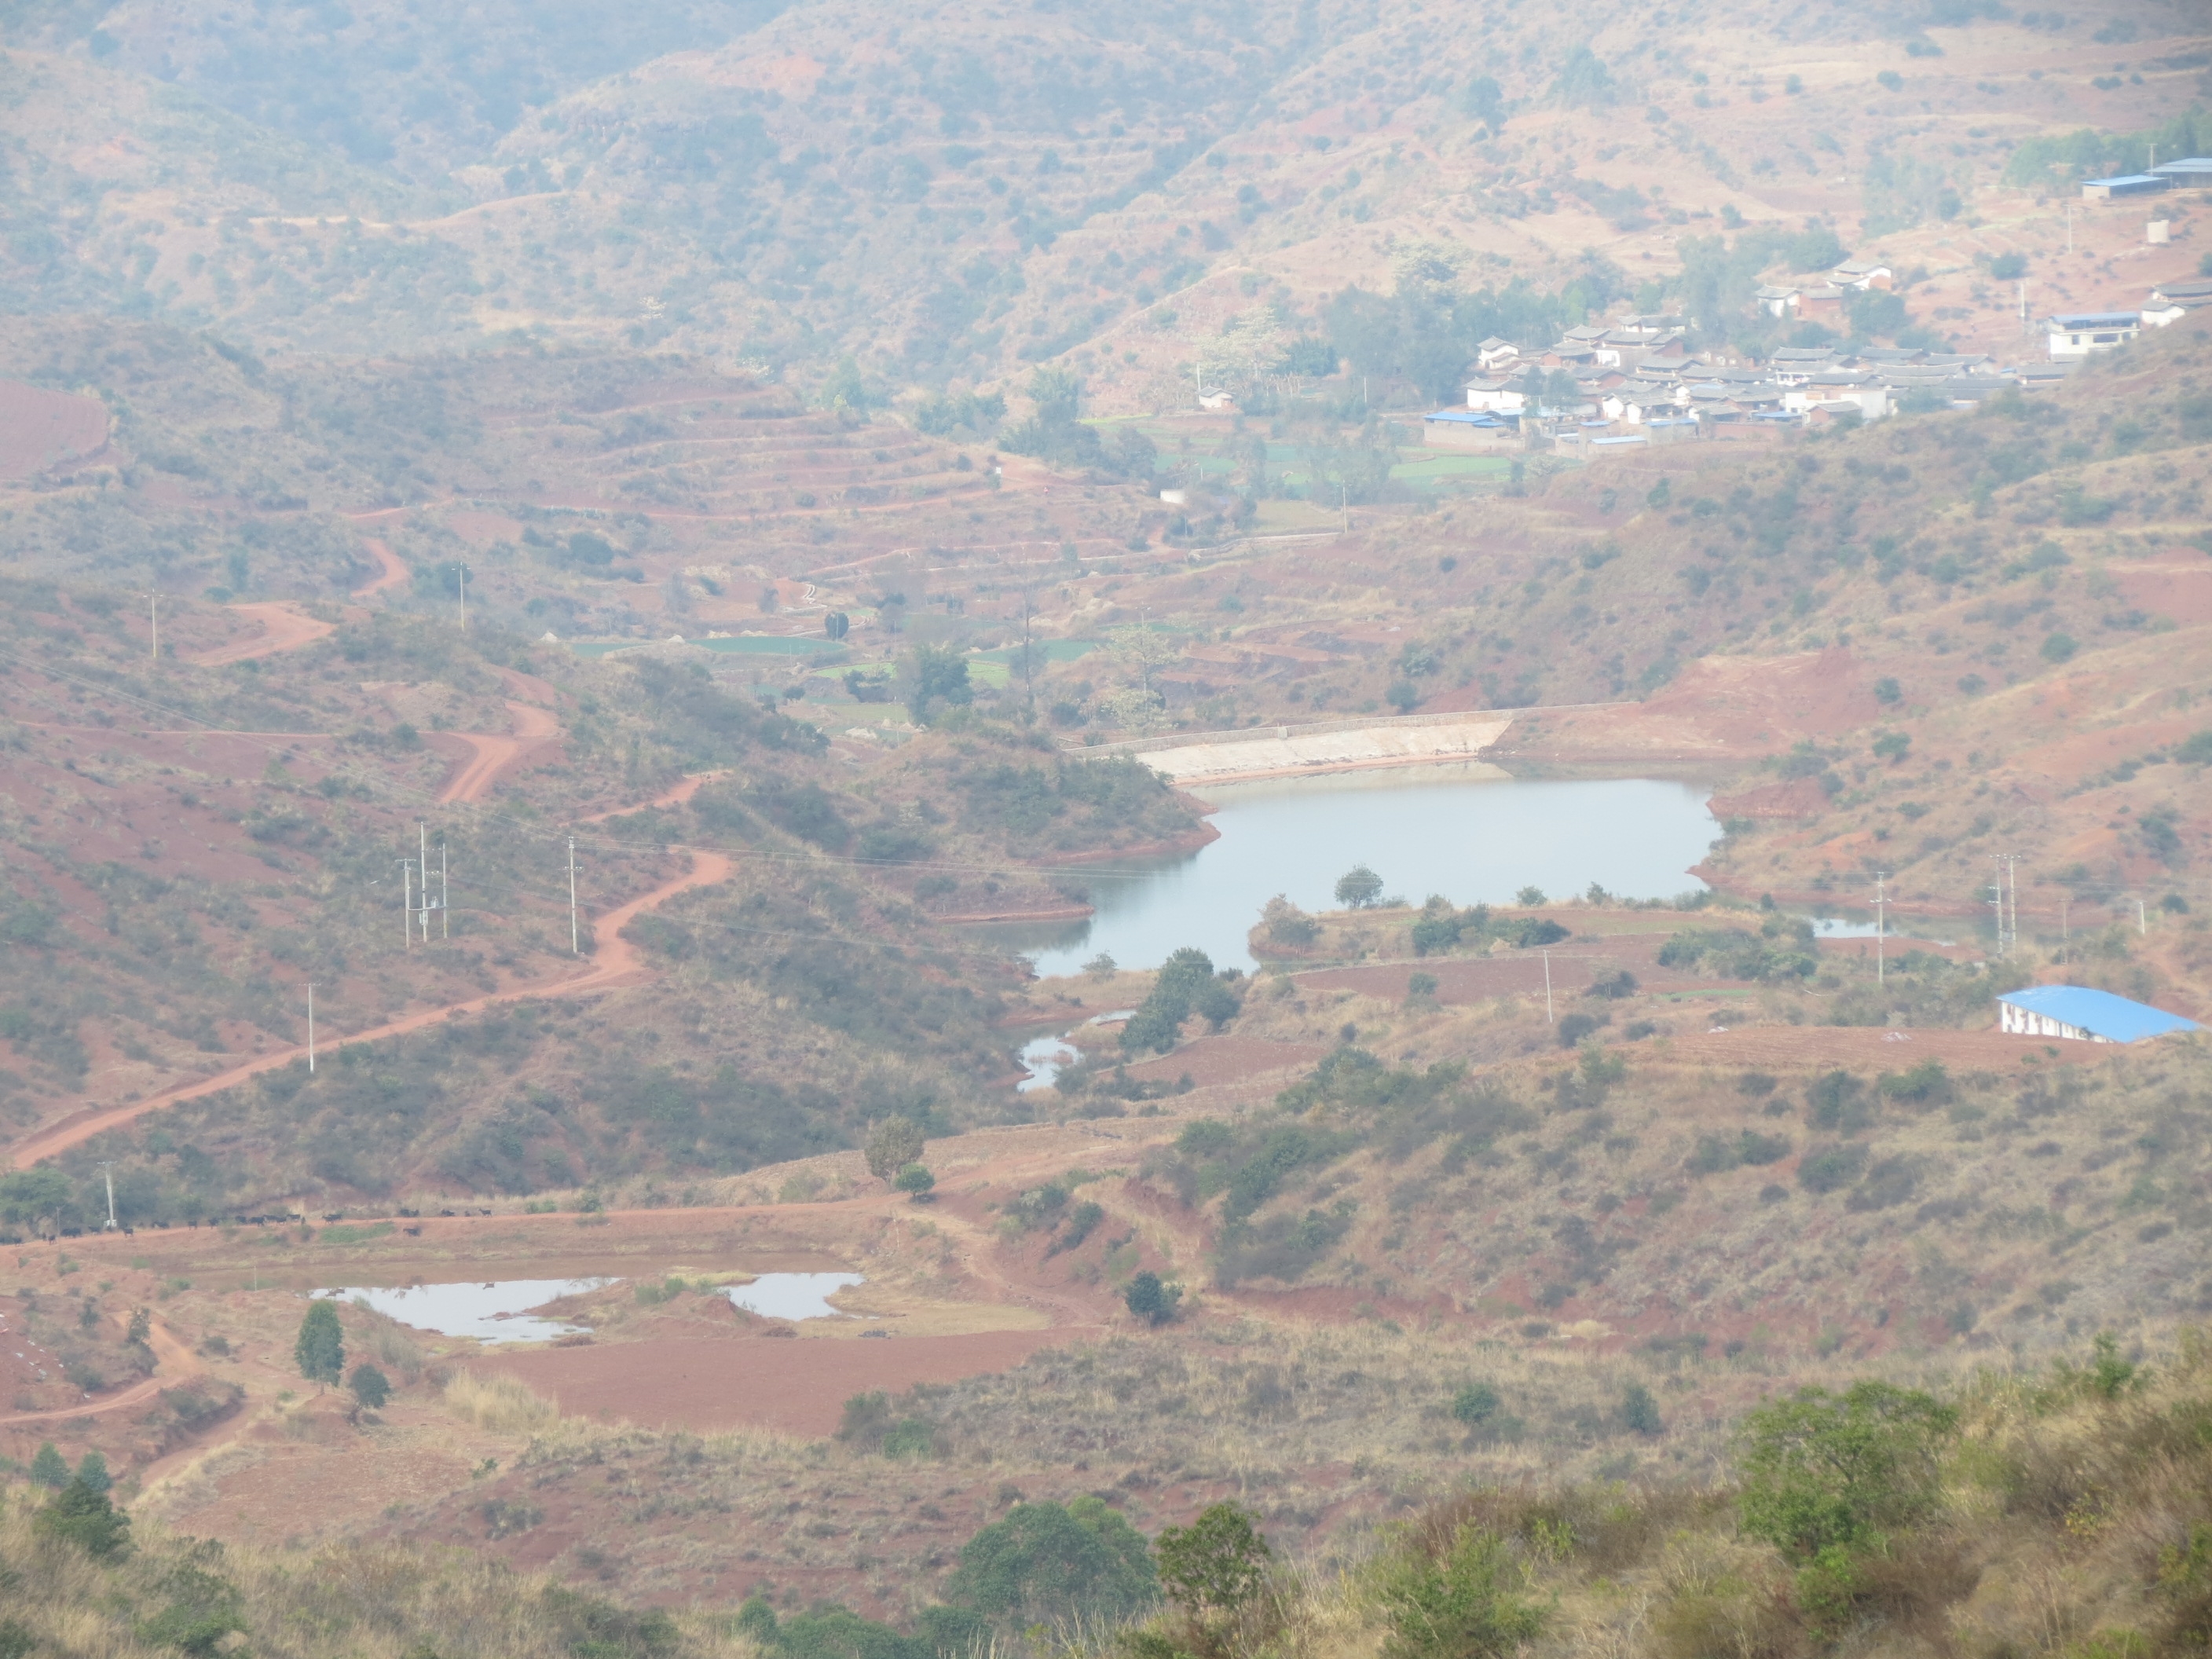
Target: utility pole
[
  {"x": 1997, "y": 903},
  {"x": 2142, "y": 920},
  {"x": 406, "y": 901},
  {"x": 1880, "y": 899},
  {"x": 461, "y": 576},
  {"x": 107, "y": 1168},
  {"x": 1547, "y": 989},
  {"x": 445, "y": 898},
  {"x": 2012, "y": 876},
  {"x": 422, "y": 829},
  {"x": 575, "y": 947},
  {"x": 1029, "y": 664},
  {"x": 311, "y": 1027}
]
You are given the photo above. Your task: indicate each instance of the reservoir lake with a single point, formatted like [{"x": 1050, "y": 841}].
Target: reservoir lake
[{"x": 1464, "y": 829}]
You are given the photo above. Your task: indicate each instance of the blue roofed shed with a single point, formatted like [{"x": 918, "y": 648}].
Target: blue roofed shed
[
  {"x": 2133, "y": 184},
  {"x": 2077, "y": 1013}
]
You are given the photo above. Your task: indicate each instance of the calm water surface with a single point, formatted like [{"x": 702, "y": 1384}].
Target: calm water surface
[
  {"x": 793, "y": 1295},
  {"x": 1461, "y": 829},
  {"x": 495, "y": 1312}
]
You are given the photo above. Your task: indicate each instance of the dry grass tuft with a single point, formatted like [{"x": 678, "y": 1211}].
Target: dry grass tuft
[{"x": 503, "y": 1405}]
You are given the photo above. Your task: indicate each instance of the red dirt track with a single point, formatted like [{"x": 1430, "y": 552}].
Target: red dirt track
[
  {"x": 615, "y": 959},
  {"x": 792, "y": 1387},
  {"x": 492, "y": 754},
  {"x": 391, "y": 573},
  {"x": 285, "y": 627}
]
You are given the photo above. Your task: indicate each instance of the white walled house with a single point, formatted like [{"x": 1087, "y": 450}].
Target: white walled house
[{"x": 2082, "y": 333}]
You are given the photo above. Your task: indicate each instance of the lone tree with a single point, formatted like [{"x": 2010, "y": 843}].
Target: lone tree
[
  {"x": 1151, "y": 1301},
  {"x": 370, "y": 1386},
  {"x": 916, "y": 1182},
  {"x": 320, "y": 1349},
  {"x": 1639, "y": 1411},
  {"x": 1358, "y": 887},
  {"x": 1218, "y": 1562},
  {"x": 893, "y": 1143}
]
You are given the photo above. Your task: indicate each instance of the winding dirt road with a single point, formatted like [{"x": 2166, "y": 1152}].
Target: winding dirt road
[
  {"x": 617, "y": 959},
  {"x": 166, "y": 1350},
  {"x": 493, "y": 754},
  {"x": 391, "y": 571},
  {"x": 284, "y": 626},
  {"x": 675, "y": 795}
]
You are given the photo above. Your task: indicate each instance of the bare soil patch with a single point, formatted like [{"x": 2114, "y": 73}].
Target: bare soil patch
[{"x": 797, "y": 1387}]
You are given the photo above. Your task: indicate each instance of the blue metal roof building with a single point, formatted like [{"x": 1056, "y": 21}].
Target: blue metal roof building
[
  {"x": 2133, "y": 184},
  {"x": 2076, "y": 1011}
]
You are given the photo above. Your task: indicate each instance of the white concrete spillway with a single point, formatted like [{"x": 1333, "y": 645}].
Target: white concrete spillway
[{"x": 1283, "y": 752}]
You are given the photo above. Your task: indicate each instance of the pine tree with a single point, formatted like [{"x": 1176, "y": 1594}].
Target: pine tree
[
  {"x": 93, "y": 1473},
  {"x": 321, "y": 1350},
  {"x": 48, "y": 1469},
  {"x": 87, "y": 1518}
]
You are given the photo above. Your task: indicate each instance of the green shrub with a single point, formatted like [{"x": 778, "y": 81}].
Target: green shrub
[
  {"x": 1826, "y": 1169},
  {"x": 1476, "y": 1404},
  {"x": 1044, "y": 1563},
  {"x": 1459, "y": 1606},
  {"x": 1151, "y": 1300},
  {"x": 1218, "y": 1562},
  {"x": 1822, "y": 1471}
]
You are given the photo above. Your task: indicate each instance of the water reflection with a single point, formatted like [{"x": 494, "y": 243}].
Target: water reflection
[
  {"x": 1464, "y": 830},
  {"x": 792, "y": 1296},
  {"x": 493, "y": 1312}
]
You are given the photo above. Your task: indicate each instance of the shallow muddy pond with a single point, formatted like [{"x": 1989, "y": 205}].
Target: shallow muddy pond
[
  {"x": 494, "y": 1312},
  {"x": 1464, "y": 830},
  {"x": 792, "y": 1296}
]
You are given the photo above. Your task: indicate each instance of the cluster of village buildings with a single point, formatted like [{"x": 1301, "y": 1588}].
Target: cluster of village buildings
[{"x": 1636, "y": 382}]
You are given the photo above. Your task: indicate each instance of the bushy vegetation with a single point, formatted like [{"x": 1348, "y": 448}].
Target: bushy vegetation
[
  {"x": 1781, "y": 951},
  {"x": 1185, "y": 986},
  {"x": 87, "y": 1577},
  {"x": 1352, "y": 1103},
  {"x": 1867, "y": 1516}
]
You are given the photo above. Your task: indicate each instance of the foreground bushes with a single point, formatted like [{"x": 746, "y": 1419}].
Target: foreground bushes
[
  {"x": 2067, "y": 1514},
  {"x": 80, "y": 1579}
]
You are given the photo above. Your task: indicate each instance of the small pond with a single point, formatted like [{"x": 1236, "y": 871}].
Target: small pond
[
  {"x": 494, "y": 1312},
  {"x": 792, "y": 1296},
  {"x": 1463, "y": 829}
]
